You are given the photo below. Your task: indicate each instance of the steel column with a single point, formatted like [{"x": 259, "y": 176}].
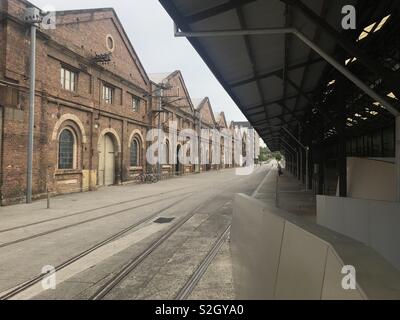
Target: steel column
[
  {"x": 306, "y": 150},
  {"x": 341, "y": 127},
  {"x": 31, "y": 121},
  {"x": 295, "y": 151},
  {"x": 397, "y": 158},
  {"x": 160, "y": 154}
]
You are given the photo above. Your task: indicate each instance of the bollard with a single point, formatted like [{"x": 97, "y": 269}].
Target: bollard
[{"x": 48, "y": 198}]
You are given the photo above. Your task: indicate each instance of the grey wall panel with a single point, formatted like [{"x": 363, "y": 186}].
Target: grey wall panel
[
  {"x": 375, "y": 223},
  {"x": 302, "y": 265},
  {"x": 384, "y": 230},
  {"x": 278, "y": 255},
  {"x": 255, "y": 243},
  {"x": 332, "y": 288}
]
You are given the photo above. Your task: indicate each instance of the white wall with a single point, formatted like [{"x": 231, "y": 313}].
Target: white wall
[
  {"x": 371, "y": 179},
  {"x": 274, "y": 258},
  {"x": 375, "y": 223}
]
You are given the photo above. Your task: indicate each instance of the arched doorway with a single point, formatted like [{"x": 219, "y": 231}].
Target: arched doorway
[
  {"x": 107, "y": 150},
  {"x": 178, "y": 164}
]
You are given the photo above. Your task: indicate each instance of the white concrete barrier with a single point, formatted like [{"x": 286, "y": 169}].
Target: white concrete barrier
[
  {"x": 277, "y": 255},
  {"x": 375, "y": 223}
]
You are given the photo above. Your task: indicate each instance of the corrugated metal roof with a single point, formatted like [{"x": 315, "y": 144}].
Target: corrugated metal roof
[{"x": 270, "y": 77}]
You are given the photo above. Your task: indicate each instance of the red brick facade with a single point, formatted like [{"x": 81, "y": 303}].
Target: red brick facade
[
  {"x": 79, "y": 36},
  {"x": 176, "y": 106},
  {"x": 91, "y": 116}
]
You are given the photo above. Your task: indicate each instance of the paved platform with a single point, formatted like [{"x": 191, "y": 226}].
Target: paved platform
[{"x": 291, "y": 197}]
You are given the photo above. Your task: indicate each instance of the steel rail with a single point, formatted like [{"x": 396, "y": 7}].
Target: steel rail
[
  {"x": 41, "y": 234},
  {"x": 128, "y": 268},
  {"x": 190, "y": 285},
  {"x": 26, "y": 285},
  {"x": 135, "y": 262},
  {"x": 86, "y": 211}
]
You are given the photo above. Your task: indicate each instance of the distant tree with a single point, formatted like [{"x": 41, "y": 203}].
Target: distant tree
[
  {"x": 278, "y": 156},
  {"x": 264, "y": 154}
]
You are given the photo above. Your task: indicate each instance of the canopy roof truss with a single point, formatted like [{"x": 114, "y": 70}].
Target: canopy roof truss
[{"x": 278, "y": 82}]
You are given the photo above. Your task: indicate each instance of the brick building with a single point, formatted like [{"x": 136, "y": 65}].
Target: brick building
[
  {"x": 206, "y": 121},
  {"x": 245, "y": 126},
  {"x": 176, "y": 106},
  {"x": 224, "y": 145},
  {"x": 91, "y": 115},
  {"x": 94, "y": 106}
]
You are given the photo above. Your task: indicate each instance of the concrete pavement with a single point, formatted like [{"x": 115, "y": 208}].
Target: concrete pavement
[{"x": 32, "y": 237}]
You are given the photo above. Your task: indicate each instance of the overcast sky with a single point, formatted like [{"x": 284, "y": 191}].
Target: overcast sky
[{"x": 151, "y": 31}]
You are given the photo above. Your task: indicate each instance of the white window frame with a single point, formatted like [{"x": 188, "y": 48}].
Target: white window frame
[
  {"x": 135, "y": 104},
  {"x": 68, "y": 79},
  {"x": 108, "y": 94}
]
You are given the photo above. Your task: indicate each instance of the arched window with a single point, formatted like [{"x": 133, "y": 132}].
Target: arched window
[
  {"x": 135, "y": 154},
  {"x": 66, "y": 150}
]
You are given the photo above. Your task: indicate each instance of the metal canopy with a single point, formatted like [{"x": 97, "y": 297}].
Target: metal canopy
[{"x": 275, "y": 79}]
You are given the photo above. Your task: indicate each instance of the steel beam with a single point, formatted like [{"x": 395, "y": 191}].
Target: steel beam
[
  {"x": 311, "y": 53},
  {"x": 264, "y": 31},
  {"x": 285, "y": 60},
  {"x": 271, "y": 102},
  {"x": 343, "y": 70},
  {"x": 275, "y": 72},
  {"x": 275, "y": 117},
  {"x": 211, "y": 12},
  {"x": 250, "y": 53},
  {"x": 391, "y": 77},
  {"x": 174, "y": 13}
]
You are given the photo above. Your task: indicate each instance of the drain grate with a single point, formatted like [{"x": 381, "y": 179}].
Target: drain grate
[{"x": 163, "y": 220}]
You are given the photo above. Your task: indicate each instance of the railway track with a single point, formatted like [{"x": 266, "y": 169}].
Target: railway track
[
  {"x": 131, "y": 265},
  {"x": 87, "y": 211},
  {"x": 192, "y": 282},
  {"x": 37, "y": 235},
  {"x": 189, "y": 286},
  {"x": 135, "y": 262},
  {"x": 26, "y": 285}
]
